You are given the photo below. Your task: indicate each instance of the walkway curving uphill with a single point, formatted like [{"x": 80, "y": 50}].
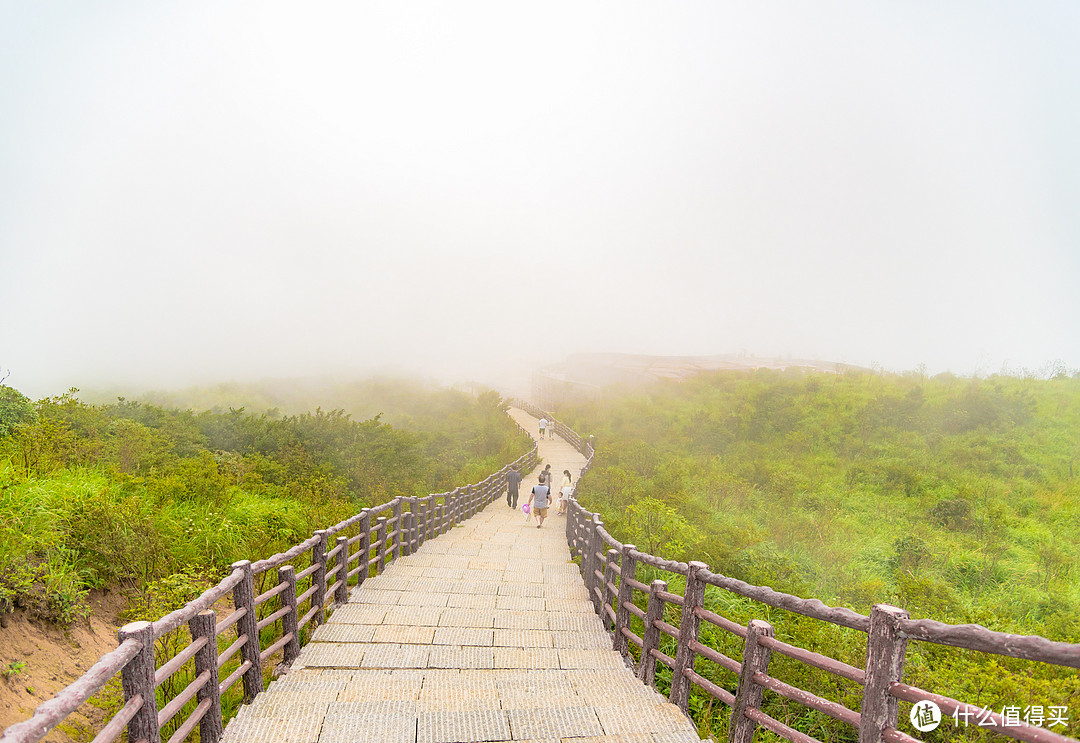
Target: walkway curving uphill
[{"x": 484, "y": 634}]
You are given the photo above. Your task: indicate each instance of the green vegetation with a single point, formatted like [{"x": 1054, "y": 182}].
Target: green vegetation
[
  {"x": 156, "y": 499},
  {"x": 13, "y": 669},
  {"x": 956, "y": 499}
]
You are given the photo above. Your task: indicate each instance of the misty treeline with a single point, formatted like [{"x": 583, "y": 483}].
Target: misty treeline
[
  {"x": 148, "y": 498},
  {"x": 955, "y": 498}
]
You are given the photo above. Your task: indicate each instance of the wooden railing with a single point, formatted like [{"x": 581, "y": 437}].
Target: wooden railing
[
  {"x": 610, "y": 567},
  {"x": 266, "y": 603}
]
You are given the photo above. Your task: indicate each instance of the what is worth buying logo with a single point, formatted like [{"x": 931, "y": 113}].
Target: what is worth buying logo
[{"x": 925, "y": 716}]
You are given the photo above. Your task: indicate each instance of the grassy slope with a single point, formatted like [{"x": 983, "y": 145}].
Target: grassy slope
[
  {"x": 183, "y": 493},
  {"x": 957, "y": 499}
]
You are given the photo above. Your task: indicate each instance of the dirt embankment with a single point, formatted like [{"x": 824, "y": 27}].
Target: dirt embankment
[{"x": 37, "y": 660}]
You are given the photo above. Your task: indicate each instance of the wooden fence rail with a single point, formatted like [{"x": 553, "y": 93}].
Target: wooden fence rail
[
  {"x": 609, "y": 571},
  {"x": 265, "y": 619}
]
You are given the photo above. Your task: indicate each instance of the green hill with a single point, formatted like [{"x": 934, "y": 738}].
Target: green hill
[{"x": 130, "y": 494}]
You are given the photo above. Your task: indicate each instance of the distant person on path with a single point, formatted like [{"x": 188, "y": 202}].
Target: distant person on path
[
  {"x": 564, "y": 493},
  {"x": 538, "y": 502},
  {"x": 549, "y": 480},
  {"x": 543, "y": 426},
  {"x": 513, "y": 482}
]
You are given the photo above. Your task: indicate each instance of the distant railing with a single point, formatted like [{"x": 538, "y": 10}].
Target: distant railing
[
  {"x": 609, "y": 569},
  {"x": 367, "y": 541}
]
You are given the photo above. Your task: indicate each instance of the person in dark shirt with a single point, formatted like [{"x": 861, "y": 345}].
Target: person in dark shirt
[{"x": 513, "y": 482}]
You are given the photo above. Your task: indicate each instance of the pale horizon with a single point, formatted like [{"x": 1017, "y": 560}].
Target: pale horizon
[{"x": 205, "y": 192}]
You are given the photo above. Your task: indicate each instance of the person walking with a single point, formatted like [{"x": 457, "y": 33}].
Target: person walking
[
  {"x": 538, "y": 502},
  {"x": 543, "y": 427},
  {"x": 513, "y": 483},
  {"x": 565, "y": 490}
]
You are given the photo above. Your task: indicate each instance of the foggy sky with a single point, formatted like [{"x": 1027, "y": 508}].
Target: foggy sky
[{"x": 201, "y": 191}]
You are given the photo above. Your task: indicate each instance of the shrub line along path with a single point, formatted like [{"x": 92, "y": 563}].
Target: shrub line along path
[{"x": 485, "y": 633}]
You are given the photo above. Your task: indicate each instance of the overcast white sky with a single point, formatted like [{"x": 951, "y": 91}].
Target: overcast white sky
[{"x": 201, "y": 191}]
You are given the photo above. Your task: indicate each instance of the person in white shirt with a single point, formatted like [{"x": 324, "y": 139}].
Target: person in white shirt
[{"x": 564, "y": 493}]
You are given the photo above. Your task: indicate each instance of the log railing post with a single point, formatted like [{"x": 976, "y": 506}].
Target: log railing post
[
  {"x": 885, "y": 649},
  {"x": 693, "y": 597},
  {"x": 576, "y": 547},
  {"x": 248, "y": 626},
  {"x": 380, "y": 537},
  {"x": 422, "y": 520},
  {"x": 290, "y": 623},
  {"x": 410, "y": 535},
  {"x": 594, "y": 544},
  {"x": 318, "y": 578},
  {"x": 610, "y": 563},
  {"x": 414, "y": 506},
  {"x": 137, "y": 678},
  {"x": 650, "y": 638},
  {"x": 398, "y": 528},
  {"x": 365, "y": 547},
  {"x": 211, "y": 726},
  {"x": 627, "y": 570},
  {"x": 341, "y": 595},
  {"x": 570, "y": 526},
  {"x": 755, "y": 659}
]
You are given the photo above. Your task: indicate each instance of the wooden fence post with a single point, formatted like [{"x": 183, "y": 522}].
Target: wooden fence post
[
  {"x": 627, "y": 571},
  {"x": 650, "y": 638},
  {"x": 594, "y": 544},
  {"x": 579, "y": 538},
  {"x": 318, "y": 578},
  {"x": 398, "y": 528},
  {"x": 291, "y": 621},
  {"x": 885, "y": 649},
  {"x": 586, "y": 542},
  {"x": 137, "y": 678},
  {"x": 365, "y": 547},
  {"x": 570, "y": 526},
  {"x": 748, "y": 694},
  {"x": 341, "y": 596},
  {"x": 380, "y": 537},
  {"x": 414, "y": 536},
  {"x": 211, "y": 727},
  {"x": 248, "y": 626},
  {"x": 693, "y": 597},
  {"x": 605, "y": 589}
]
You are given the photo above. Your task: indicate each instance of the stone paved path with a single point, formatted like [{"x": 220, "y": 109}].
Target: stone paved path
[{"x": 485, "y": 634}]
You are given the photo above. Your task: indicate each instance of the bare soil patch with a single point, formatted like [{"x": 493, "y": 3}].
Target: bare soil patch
[{"x": 54, "y": 657}]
